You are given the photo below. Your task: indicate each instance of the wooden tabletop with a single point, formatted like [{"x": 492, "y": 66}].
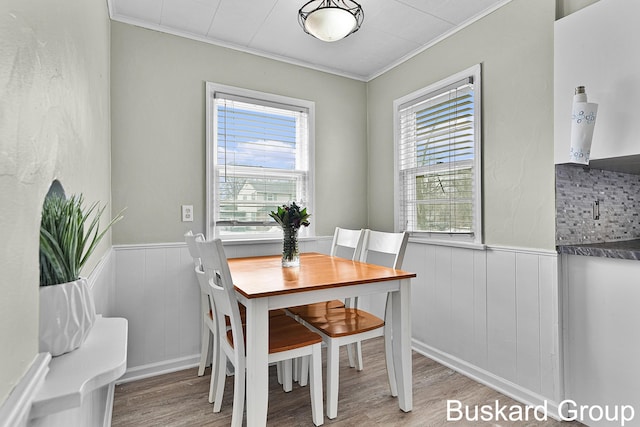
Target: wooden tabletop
[{"x": 256, "y": 277}]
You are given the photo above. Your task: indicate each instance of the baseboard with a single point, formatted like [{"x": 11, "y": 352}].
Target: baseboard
[
  {"x": 15, "y": 410},
  {"x": 515, "y": 391},
  {"x": 159, "y": 368}
]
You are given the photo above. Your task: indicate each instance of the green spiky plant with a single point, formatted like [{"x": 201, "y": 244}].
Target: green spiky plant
[
  {"x": 68, "y": 237},
  {"x": 291, "y": 215}
]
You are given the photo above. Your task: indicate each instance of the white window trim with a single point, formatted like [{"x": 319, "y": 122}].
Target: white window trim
[
  {"x": 476, "y": 239},
  {"x": 211, "y": 89}
]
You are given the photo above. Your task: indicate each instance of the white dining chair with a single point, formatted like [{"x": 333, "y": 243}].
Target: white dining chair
[
  {"x": 350, "y": 325},
  {"x": 209, "y": 347},
  {"x": 207, "y": 340},
  {"x": 287, "y": 338},
  {"x": 346, "y": 243}
]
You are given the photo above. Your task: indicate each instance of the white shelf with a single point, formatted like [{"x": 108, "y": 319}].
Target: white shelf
[{"x": 99, "y": 361}]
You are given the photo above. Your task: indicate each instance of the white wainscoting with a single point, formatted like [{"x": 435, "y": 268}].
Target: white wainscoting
[
  {"x": 157, "y": 291},
  {"x": 491, "y": 314},
  {"x": 101, "y": 281}
]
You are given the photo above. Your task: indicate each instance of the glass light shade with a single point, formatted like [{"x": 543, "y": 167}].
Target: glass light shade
[{"x": 330, "y": 23}]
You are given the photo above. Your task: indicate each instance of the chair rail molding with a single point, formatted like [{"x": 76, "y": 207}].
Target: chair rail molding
[{"x": 101, "y": 282}]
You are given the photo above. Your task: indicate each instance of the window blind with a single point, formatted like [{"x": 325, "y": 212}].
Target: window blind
[
  {"x": 261, "y": 161},
  {"x": 436, "y": 161}
]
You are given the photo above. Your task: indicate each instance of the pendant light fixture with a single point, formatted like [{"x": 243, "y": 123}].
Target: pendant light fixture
[{"x": 330, "y": 20}]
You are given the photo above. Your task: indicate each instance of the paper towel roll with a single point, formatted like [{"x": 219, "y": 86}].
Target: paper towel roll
[{"x": 583, "y": 119}]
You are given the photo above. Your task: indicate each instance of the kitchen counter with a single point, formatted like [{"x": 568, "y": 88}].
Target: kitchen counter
[{"x": 621, "y": 249}]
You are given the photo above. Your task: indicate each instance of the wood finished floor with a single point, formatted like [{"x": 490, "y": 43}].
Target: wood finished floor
[{"x": 180, "y": 398}]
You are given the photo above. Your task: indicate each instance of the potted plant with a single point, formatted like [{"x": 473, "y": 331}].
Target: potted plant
[{"x": 68, "y": 237}]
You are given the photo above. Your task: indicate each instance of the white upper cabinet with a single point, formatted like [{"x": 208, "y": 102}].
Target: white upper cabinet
[{"x": 598, "y": 47}]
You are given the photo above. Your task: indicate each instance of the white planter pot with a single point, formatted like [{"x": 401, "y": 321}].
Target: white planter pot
[{"x": 67, "y": 314}]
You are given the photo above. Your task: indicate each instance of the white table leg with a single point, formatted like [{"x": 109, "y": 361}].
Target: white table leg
[
  {"x": 401, "y": 324},
  {"x": 257, "y": 361},
  {"x": 333, "y": 369}
]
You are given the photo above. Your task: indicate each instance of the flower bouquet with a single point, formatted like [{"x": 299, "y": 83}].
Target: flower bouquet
[{"x": 290, "y": 217}]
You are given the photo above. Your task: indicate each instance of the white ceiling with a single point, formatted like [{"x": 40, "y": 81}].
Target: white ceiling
[{"x": 393, "y": 30}]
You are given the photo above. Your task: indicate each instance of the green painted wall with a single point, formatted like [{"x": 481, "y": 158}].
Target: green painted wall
[
  {"x": 514, "y": 44},
  {"x": 158, "y": 116}
]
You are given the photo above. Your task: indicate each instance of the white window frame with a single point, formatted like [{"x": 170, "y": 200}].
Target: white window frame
[
  {"x": 211, "y": 156},
  {"x": 475, "y": 238}
]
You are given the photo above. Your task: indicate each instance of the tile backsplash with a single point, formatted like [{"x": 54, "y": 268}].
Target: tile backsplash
[{"x": 618, "y": 194}]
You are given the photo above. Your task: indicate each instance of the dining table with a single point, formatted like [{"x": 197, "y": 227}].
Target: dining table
[{"x": 262, "y": 284}]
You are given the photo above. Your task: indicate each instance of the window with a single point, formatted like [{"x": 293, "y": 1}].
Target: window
[
  {"x": 259, "y": 151},
  {"x": 438, "y": 160}
]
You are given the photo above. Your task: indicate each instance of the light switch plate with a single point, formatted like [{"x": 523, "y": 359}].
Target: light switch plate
[{"x": 187, "y": 213}]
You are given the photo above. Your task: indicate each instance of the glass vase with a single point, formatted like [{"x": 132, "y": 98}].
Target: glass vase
[{"x": 290, "y": 252}]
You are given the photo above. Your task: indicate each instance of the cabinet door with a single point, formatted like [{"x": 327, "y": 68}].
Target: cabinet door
[
  {"x": 602, "y": 348},
  {"x": 597, "y": 47}
]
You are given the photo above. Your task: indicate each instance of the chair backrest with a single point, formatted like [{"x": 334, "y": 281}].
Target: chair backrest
[
  {"x": 218, "y": 275},
  {"x": 346, "y": 238},
  {"x": 394, "y": 244},
  {"x": 190, "y": 238}
]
